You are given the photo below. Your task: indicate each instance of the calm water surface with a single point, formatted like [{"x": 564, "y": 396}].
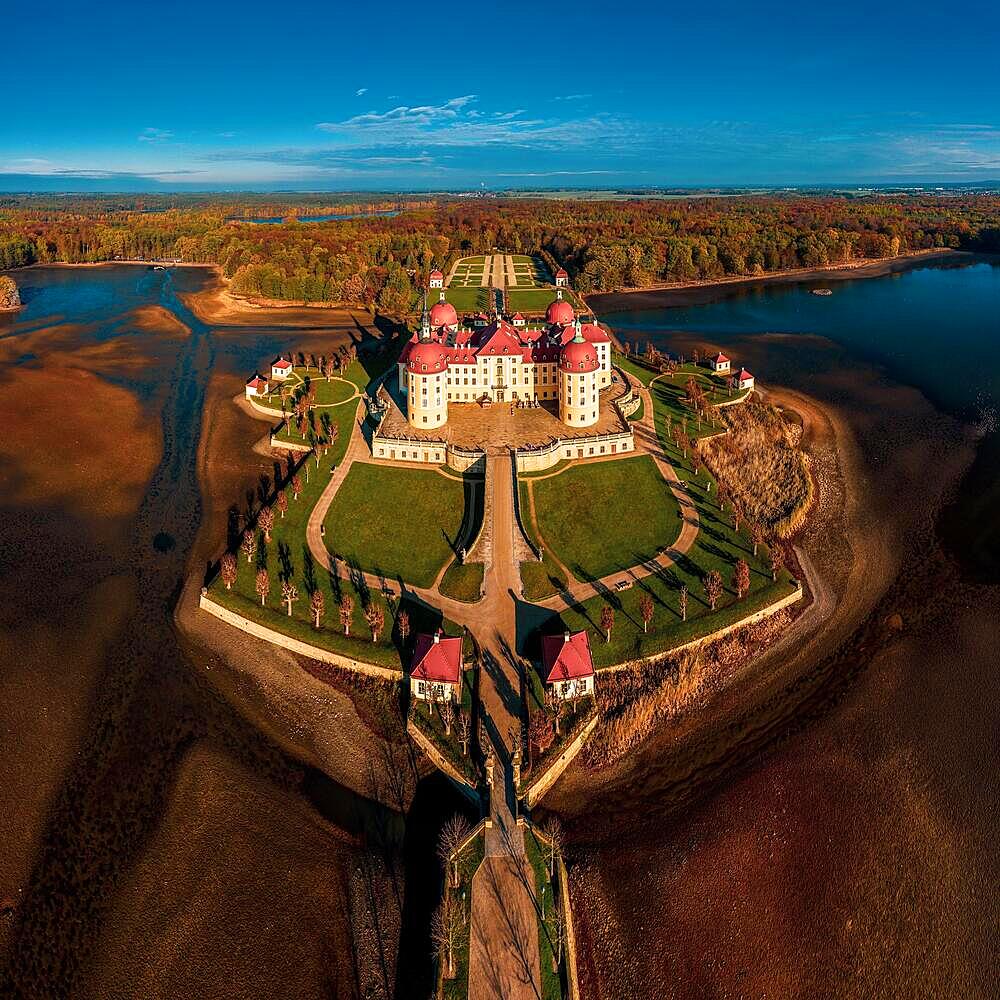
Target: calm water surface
[{"x": 935, "y": 327}]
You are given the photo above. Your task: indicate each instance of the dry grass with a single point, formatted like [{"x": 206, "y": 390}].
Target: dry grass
[
  {"x": 761, "y": 465},
  {"x": 632, "y": 702}
]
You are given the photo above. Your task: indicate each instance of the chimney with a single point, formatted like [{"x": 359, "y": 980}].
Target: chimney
[
  {"x": 565, "y": 636},
  {"x": 437, "y": 636}
]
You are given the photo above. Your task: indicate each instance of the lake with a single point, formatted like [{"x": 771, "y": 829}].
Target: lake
[
  {"x": 934, "y": 326},
  {"x": 276, "y": 220}
]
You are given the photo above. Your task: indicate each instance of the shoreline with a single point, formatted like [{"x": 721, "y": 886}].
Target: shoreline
[{"x": 688, "y": 293}]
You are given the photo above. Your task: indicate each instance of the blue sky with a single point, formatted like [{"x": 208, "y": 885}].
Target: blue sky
[{"x": 392, "y": 96}]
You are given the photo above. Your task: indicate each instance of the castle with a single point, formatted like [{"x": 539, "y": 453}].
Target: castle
[{"x": 497, "y": 361}]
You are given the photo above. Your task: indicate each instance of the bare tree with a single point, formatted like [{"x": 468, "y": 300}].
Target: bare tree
[
  {"x": 296, "y": 486},
  {"x": 446, "y": 925},
  {"x": 317, "y": 606},
  {"x": 554, "y": 831},
  {"x": 249, "y": 544},
  {"x": 646, "y": 610},
  {"x": 266, "y": 521},
  {"x": 229, "y": 570},
  {"x": 463, "y": 729},
  {"x": 540, "y": 731},
  {"x": 262, "y": 585},
  {"x": 559, "y": 938},
  {"x": 607, "y": 621},
  {"x": 346, "y": 613},
  {"x": 446, "y": 709},
  {"x": 713, "y": 587},
  {"x": 682, "y": 602},
  {"x": 453, "y": 834},
  {"x": 289, "y": 594},
  {"x": 282, "y": 502},
  {"x": 403, "y": 624}
]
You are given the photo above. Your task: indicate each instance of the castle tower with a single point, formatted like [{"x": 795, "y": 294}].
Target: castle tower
[
  {"x": 578, "y": 382},
  {"x": 426, "y": 381}
]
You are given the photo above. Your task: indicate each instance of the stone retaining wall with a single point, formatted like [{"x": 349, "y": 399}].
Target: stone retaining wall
[
  {"x": 758, "y": 616},
  {"x": 441, "y": 762},
  {"x": 289, "y": 445},
  {"x": 552, "y": 773},
  {"x": 592, "y": 446},
  {"x": 295, "y": 645}
]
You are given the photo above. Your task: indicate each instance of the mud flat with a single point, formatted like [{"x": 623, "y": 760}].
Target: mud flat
[{"x": 823, "y": 826}]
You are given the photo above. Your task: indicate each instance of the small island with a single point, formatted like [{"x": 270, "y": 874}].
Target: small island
[{"x": 10, "y": 298}]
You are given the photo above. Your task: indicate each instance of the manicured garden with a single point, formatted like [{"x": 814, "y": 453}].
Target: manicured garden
[
  {"x": 400, "y": 523},
  {"x": 328, "y": 393},
  {"x": 470, "y": 299},
  {"x": 463, "y": 581},
  {"x": 536, "y": 300},
  {"x": 602, "y": 517},
  {"x": 669, "y": 393},
  {"x": 286, "y": 558}
]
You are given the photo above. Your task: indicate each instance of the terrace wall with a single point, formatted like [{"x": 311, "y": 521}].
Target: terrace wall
[
  {"x": 295, "y": 645},
  {"x": 593, "y": 446}
]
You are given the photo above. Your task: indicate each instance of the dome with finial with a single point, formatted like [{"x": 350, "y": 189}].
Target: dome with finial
[
  {"x": 559, "y": 312},
  {"x": 443, "y": 313},
  {"x": 579, "y": 355}
]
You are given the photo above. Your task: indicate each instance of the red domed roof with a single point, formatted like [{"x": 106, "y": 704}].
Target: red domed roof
[
  {"x": 426, "y": 356},
  {"x": 578, "y": 356},
  {"x": 560, "y": 312},
  {"x": 443, "y": 314}
]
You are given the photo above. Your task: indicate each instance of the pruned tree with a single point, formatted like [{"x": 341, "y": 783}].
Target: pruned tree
[
  {"x": 266, "y": 521},
  {"x": 607, "y": 621},
  {"x": 375, "y": 616},
  {"x": 289, "y": 594},
  {"x": 777, "y": 559},
  {"x": 282, "y": 502},
  {"x": 646, "y": 610},
  {"x": 446, "y": 925},
  {"x": 758, "y": 533},
  {"x": 682, "y": 602},
  {"x": 554, "y": 831},
  {"x": 741, "y": 578},
  {"x": 317, "y": 607},
  {"x": 296, "y": 486},
  {"x": 346, "y": 613},
  {"x": 403, "y": 624},
  {"x": 713, "y": 587},
  {"x": 262, "y": 585},
  {"x": 229, "y": 570},
  {"x": 249, "y": 544},
  {"x": 454, "y": 831}
]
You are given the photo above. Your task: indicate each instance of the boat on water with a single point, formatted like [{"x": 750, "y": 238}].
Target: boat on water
[{"x": 822, "y": 291}]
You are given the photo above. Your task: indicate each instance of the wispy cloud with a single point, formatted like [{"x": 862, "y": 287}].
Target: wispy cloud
[
  {"x": 572, "y": 97},
  {"x": 155, "y": 135},
  {"x": 361, "y": 91}
]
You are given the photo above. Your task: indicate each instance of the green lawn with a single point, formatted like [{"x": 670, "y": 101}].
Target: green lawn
[
  {"x": 539, "y": 580},
  {"x": 536, "y": 851},
  {"x": 331, "y": 393},
  {"x": 287, "y": 556},
  {"x": 644, "y": 375},
  {"x": 470, "y": 299},
  {"x": 669, "y": 392},
  {"x": 463, "y": 582},
  {"x": 639, "y": 411},
  {"x": 718, "y": 546},
  {"x": 532, "y": 300},
  {"x": 398, "y": 522},
  {"x": 341, "y": 417},
  {"x": 469, "y": 861},
  {"x": 606, "y": 516}
]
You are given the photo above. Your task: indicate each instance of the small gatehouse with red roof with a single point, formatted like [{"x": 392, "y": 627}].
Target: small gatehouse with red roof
[
  {"x": 436, "y": 668},
  {"x": 567, "y": 666}
]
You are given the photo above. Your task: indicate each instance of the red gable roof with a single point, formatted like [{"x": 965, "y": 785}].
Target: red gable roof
[
  {"x": 282, "y": 363},
  {"x": 561, "y": 273},
  {"x": 436, "y": 273},
  {"x": 720, "y": 358},
  {"x": 744, "y": 374},
  {"x": 437, "y": 661},
  {"x": 564, "y": 659},
  {"x": 257, "y": 382}
]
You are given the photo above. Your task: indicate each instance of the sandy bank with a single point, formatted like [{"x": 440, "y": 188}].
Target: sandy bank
[{"x": 689, "y": 293}]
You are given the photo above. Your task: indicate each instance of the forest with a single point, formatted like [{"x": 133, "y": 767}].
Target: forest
[{"x": 382, "y": 261}]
